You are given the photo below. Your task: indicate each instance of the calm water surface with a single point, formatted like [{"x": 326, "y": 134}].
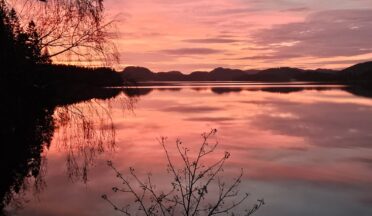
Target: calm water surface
[{"x": 305, "y": 148}]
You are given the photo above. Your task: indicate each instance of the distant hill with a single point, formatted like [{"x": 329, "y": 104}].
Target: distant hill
[
  {"x": 171, "y": 75},
  {"x": 218, "y": 74},
  {"x": 138, "y": 74},
  {"x": 358, "y": 72},
  {"x": 226, "y": 74},
  {"x": 284, "y": 74},
  {"x": 276, "y": 74}
]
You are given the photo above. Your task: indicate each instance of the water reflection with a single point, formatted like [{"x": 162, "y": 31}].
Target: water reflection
[
  {"x": 304, "y": 148},
  {"x": 143, "y": 90},
  {"x": 26, "y": 129},
  {"x": 30, "y": 121}
]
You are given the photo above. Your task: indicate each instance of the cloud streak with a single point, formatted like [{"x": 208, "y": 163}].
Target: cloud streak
[
  {"x": 322, "y": 34},
  {"x": 198, "y": 34},
  {"x": 211, "y": 40},
  {"x": 191, "y": 51}
]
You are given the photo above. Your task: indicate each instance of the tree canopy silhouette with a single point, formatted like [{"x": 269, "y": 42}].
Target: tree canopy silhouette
[
  {"x": 20, "y": 46},
  {"x": 27, "y": 49},
  {"x": 74, "y": 29}
]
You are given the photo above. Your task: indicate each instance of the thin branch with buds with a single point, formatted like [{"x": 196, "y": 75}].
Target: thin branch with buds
[{"x": 189, "y": 187}]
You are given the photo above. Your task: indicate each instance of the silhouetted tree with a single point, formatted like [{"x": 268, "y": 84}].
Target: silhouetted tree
[
  {"x": 34, "y": 46},
  {"x": 73, "y": 29},
  {"x": 28, "y": 122},
  {"x": 21, "y": 48}
]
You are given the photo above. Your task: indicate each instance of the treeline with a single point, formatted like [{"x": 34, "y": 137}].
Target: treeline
[
  {"x": 25, "y": 63},
  {"x": 70, "y": 75},
  {"x": 20, "y": 48}
]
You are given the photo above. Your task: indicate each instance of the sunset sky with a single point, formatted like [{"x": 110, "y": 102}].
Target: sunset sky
[{"x": 191, "y": 35}]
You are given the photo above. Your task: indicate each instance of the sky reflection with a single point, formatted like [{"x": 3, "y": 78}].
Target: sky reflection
[{"x": 306, "y": 152}]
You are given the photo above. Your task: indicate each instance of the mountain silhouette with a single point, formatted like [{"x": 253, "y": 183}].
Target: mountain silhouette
[
  {"x": 218, "y": 74},
  {"x": 357, "y": 73},
  {"x": 138, "y": 74}
]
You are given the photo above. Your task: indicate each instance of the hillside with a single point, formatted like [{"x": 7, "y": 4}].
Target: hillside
[
  {"x": 218, "y": 74},
  {"x": 358, "y": 72}
]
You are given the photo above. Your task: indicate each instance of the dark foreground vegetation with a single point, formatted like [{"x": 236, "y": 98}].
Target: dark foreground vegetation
[
  {"x": 31, "y": 89},
  {"x": 26, "y": 63},
  {"x": 189, "y": 190}
]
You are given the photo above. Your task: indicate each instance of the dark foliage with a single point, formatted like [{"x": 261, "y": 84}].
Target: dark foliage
[
  {"x": 26, "y": 130},
  {"x": 31, "y": 89},
  {"x": 64, "y": 76},
  {"x": 24, "y": 63},
  {"x": 20, "y": 48}
]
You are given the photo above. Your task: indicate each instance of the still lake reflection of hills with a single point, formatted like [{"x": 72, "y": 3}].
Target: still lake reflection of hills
[
  {"x": 305, "y": 147},
  {"x": 145, "y": 88}
]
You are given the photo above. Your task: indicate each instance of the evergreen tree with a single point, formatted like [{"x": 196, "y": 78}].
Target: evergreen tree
[
  {"x": 21, "y": 49},
  {"x": 33, "y": 43}
]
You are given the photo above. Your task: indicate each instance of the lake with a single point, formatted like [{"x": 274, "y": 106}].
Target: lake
[{"x": 304, "y": 147}]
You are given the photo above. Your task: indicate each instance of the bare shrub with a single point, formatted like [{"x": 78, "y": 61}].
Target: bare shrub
[{"x": 190, "y": 192}]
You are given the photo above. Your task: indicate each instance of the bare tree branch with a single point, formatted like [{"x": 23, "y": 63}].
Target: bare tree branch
[
  {"x": 70, "y": 28},
  {"x": 190, "y": 186}
]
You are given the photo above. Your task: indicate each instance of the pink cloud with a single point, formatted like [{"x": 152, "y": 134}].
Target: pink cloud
[{"x": 308, "y": 32}]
